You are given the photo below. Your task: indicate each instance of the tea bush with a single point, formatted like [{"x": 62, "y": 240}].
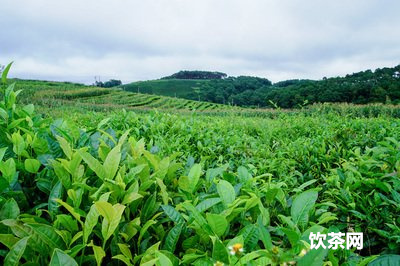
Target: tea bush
[{"x": 157, "y": 189}]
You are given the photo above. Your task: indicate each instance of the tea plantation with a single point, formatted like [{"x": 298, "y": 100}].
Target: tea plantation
[{"x": 89, "y": 178}]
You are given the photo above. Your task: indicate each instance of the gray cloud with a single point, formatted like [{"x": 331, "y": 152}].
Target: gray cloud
[{"x": 135, "y": 40}]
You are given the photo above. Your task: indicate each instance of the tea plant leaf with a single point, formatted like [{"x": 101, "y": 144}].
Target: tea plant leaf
[
  {"x": 9, "y": 210},
  {"x": 71, "y": 210},
  {"x": 387, "y": 260},
  {"x": 16, "y": 252},
  {"x": 188, "y": 183},
  {"x": 314, "y": 257},
  {"x": 99, "y": 253},
  {"x": 122, "y": 258},
  {"x": 125, "y": 250},
  {"x": 32, "y": 165},
  {"x": 93, "y": 164},
  {"x": 4, "y": 73},
  {"x": 62, "y": 174},
  {"x": 265, "y": 236},
  {"x": 302, "y": 206},
  {"x": 111, "y": 163},
  {"x": 65, "y": 146},
  {"x": 218, "y": 223},
  {"x": 2, "y": 153},
  {"x": 219, "y": 251},
  {"x": 56, "y": 193},
  {"x": 207, "y": 203},
  {"x": 201, "y": 221},
  {"x": 172, "y": 237},
  {"x": 162, "y": 259},
  {"x": 173, "y": 214},
  {"x": 90, "y": 222},
  {"x": 48, "y": 235},
  {"x": 60, "y": 258},
  {"x": 8, "y": 240},
  {"x": 226, "y": 192},
  {"x": 8, "y": 169},
  {"x": 112, "y": 215}
]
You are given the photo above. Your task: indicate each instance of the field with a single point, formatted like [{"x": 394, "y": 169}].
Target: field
[
  {"x": 56, "y": 94},
  {"x": 166, "y": 87},
  {"x": 94, "y": 176}
]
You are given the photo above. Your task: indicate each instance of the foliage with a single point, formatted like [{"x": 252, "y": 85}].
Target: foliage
[
  {"x": 160, "y": 189},
  {"x": 380, "y": 86},
  {"x": 108, "y": 84},
  {"x": 186, "y": 74}
]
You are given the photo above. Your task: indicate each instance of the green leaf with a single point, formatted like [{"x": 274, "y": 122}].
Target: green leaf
[
  {"x": 250, "y": 235},
  {"x": 5, "y": 73},
  {"x": 60, "y": 258},
  {"x": 265, "y": 236},
  {"x": 122, "y": 258},
  {"x": 112, "y": 216},
  {"x": 112, "y": 162},
  {"x": 8, "y": 169},
  {"x": 48, "y": 236},
  {"x": 125, "y": 250},
  {"x": 93, "y": 164},
  {"x": 243, "y": 174},
  {"x": 207, "y": 203},
  {"x": 71, "y": 210},
  {"x": 163, "y": 260},
  {"x": 132, "y": 194},
  {"x": 62, "y": 174},
  {"x": 65, "y": 146},
  {"x": 32, "y": 165},
  {"x": 219, "y": 252},
  {"x": 292, "y": 235},
  {"x": 386, "y": 260},
  {"x": 172, "y": 238},
  {"x": 16, "y": 252},
  {"x": 2, "y": 153},
  {"x": 18, "y": 143},
  {"x": 189, "y": 183},
  {"x": 314, "y": 257},
  {"x": 144, "y": 229},
  {"x": 99, "y": 253},
  {"x": 302, "y": 206},
  {"x": 8, "y": 240},
  {"x": 217, "y": 222},
  {"x": 56, "y": 193},
  {"x": 149, "y": 207},
  {"x": 226, "y": 192},
  {"x": 90, "y": 222},
  {"x": 10, "y": 210},
  {"x": 201, "y": 221},
  {"x": 67, "y": 222},
  {"x": 4, "y": 116},
  {"x": 173, "y": 214}
]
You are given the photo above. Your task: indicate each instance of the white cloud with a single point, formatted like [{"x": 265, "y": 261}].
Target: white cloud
[{"x": 131, "y": 40}]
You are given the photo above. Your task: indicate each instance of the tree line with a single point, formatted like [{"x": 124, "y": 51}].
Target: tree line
[{"x": 379, "y": 86}]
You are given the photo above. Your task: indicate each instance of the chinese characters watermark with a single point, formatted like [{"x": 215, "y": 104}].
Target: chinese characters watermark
[{"x": 336, "y": 240}]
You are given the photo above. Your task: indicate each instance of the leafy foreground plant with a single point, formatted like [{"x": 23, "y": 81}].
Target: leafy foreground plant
[{"x": 70, "y": 197}]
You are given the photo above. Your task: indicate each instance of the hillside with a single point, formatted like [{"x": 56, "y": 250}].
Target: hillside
[
  {"x": 379, "y": 86},
  {"x": 53, "y": 94},
  {"x": 182, "y": 88}
]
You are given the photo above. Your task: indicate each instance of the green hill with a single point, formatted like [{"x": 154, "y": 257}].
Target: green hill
[
  {"x": 379, "y": 86},
  {"x": 54, "y": 94},
  {"x": 182, "y": 88}
]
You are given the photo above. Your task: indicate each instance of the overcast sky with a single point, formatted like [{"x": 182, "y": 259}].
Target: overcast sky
[{"x": 75, "y": 40}]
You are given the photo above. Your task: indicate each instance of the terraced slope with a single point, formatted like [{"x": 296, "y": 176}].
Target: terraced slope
[
  {"x": 116, "y": 98},
  {"x": 166, "y": 87}
]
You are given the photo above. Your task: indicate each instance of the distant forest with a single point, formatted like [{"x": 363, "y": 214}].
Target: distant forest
[
  {"x": 185, "y": 74},
  {"x": 379, "y": 86}
]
